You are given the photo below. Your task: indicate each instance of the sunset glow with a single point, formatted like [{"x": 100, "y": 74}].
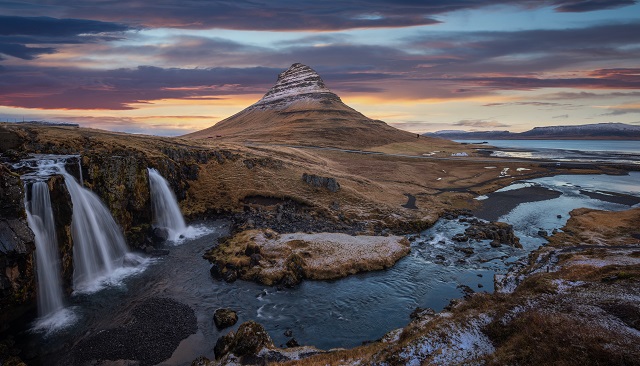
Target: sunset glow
[{"x": 172, "y": 67}]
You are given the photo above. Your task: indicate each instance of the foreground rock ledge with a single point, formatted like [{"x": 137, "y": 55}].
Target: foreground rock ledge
[{"x": 269, "y": 258}]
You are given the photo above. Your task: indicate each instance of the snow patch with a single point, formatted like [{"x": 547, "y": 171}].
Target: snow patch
[{"x": 452, "y": 344}]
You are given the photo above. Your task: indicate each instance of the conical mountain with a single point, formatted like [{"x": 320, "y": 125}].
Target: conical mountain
[{"x": 299, "y": 109}]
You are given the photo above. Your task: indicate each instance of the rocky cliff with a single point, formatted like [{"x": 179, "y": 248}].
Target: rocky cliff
[
  {"x": 17, "y": 245},
  {"x": 299, "y": 83}
]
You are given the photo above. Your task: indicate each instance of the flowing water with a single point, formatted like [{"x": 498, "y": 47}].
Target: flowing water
[
  {"x": 51, "y": 311},
  {"x": 328, "y": 314},
  {"x": 99, "y": 247},
  {"x": 100, "y": 254},
  {"x": 166, "y": 213}
]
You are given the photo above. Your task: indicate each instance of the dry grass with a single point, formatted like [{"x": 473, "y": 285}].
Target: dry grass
[
  {"x": 540, "y": 338},
  {"x": 291, "y": 257}
]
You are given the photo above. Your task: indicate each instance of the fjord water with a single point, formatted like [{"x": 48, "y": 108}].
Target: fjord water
[
  {"x": 41, "y": 222},
  {"x": 166, "y": 213},
  {"x": 614, "y": 151}
]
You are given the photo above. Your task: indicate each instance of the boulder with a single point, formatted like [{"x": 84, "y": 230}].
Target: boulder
[
  {"x": 321, "y": 182},
  {"x": 160, "y": 234},
  {"x": 224, "y": 318},
  {"x": 292, "y": 343},
  {"x": 248, "y": 340}
]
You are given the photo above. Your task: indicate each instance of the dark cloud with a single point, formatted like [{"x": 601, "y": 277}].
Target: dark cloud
[
  {"x": 52, "y": 27},
  {"x": 18, "y": 35},
  {"x": 282, "y": 15},
  {"x": 22, "y": 51},
  {"x": 579, "y": 6},
  {"x": 526, "y": 51},
  {"x": 598, "y": 80},
  {"x": 58, "y": 88}
]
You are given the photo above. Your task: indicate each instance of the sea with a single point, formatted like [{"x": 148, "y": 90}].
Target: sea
[{"x": 595, "y": 151}]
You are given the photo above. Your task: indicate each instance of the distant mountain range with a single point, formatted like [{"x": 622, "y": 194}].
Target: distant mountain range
[{"x": 596, "y": 131}]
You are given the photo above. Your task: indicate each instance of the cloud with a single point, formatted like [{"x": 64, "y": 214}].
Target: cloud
[
  {"x": 52, "y": 27},
  {"x": 65, "y": 88},
  {"x": 528, "y": 51},
  {"x": 482, "y": 123},
  {"x": 579, "y": 6},
  {"x": 18, "y": 34},
  {"x": 284, "y": 15},
  {"x": 623, "y": 109},
  {"x": 589, "y": 95},
  {"x": 561, "y": 116},
  {"x": 534, "y": 104}
]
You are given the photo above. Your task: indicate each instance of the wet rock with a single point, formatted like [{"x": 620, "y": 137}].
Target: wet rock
[
  {"x": 248, "y": 340},
  {"x": 321, "y": 182},
  {"x": 495, "y": 243},
  {"x": 543, "y": 233},
  {"x": 160, "y": 234},
  {"x": 418, "y": 313},
  {"x": 223, "y": 345},
  {"x": 466, "y": 250},
  {"x": 499, "y": 232},
  {"x": 466, "y": 290},
  {"x": 224, "y": 318},
  {"x": 292, "y": 343},
  {"x": 288, "y": 333},
  {"x": 215, "y": 271},
  {"x": 230, "y": 275},
  {"x": 460, "y": 238},
  {"x": 559, "y": 216}
]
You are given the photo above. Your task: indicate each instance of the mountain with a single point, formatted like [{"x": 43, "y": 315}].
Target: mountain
[
  {"x": 299, "y": 109},
  {"x": 596, "y": 131}
]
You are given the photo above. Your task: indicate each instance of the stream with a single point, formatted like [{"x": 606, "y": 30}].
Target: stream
[{"x": 330, "y": 314}]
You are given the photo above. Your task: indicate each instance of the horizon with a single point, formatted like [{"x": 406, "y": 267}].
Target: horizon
[{"x": 170, "y": 68}]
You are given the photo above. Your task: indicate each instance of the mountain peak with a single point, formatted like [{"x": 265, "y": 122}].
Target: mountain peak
[{"x": 298, "y": 83}]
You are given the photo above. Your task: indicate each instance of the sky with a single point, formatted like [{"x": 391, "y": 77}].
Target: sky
[{"x": 170, "y": 67}]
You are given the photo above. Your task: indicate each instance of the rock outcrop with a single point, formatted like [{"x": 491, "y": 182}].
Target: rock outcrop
[
  {"x": 224, "y": 318},
  {"x": 321, "y": 182},
  {"x": 17, "y": 244},
  {"x": 298, "y": 83},
  {"x": 269, "y": 258}
]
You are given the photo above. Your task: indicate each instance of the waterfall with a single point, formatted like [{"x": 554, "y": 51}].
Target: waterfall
[
  {"x": 99, "y": 247},
  {"x": 165, "y": 208},
  {"x": 40, "y": 219}
]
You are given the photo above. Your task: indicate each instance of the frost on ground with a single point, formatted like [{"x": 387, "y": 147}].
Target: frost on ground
[
  {"x": 270, "y": 258},
  {"x": 450, "y": 344},
  {"x": 570, "y": 303}
]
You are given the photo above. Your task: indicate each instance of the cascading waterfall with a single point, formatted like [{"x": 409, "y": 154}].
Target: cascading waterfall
[
  {"x": 165, "y": 206},
  {"x": 40, "y": 219},
  {"x": 99, "y": 246}
]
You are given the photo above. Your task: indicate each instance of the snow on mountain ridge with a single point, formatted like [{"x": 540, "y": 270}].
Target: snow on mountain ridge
[{"x": 298, "y": 83}]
